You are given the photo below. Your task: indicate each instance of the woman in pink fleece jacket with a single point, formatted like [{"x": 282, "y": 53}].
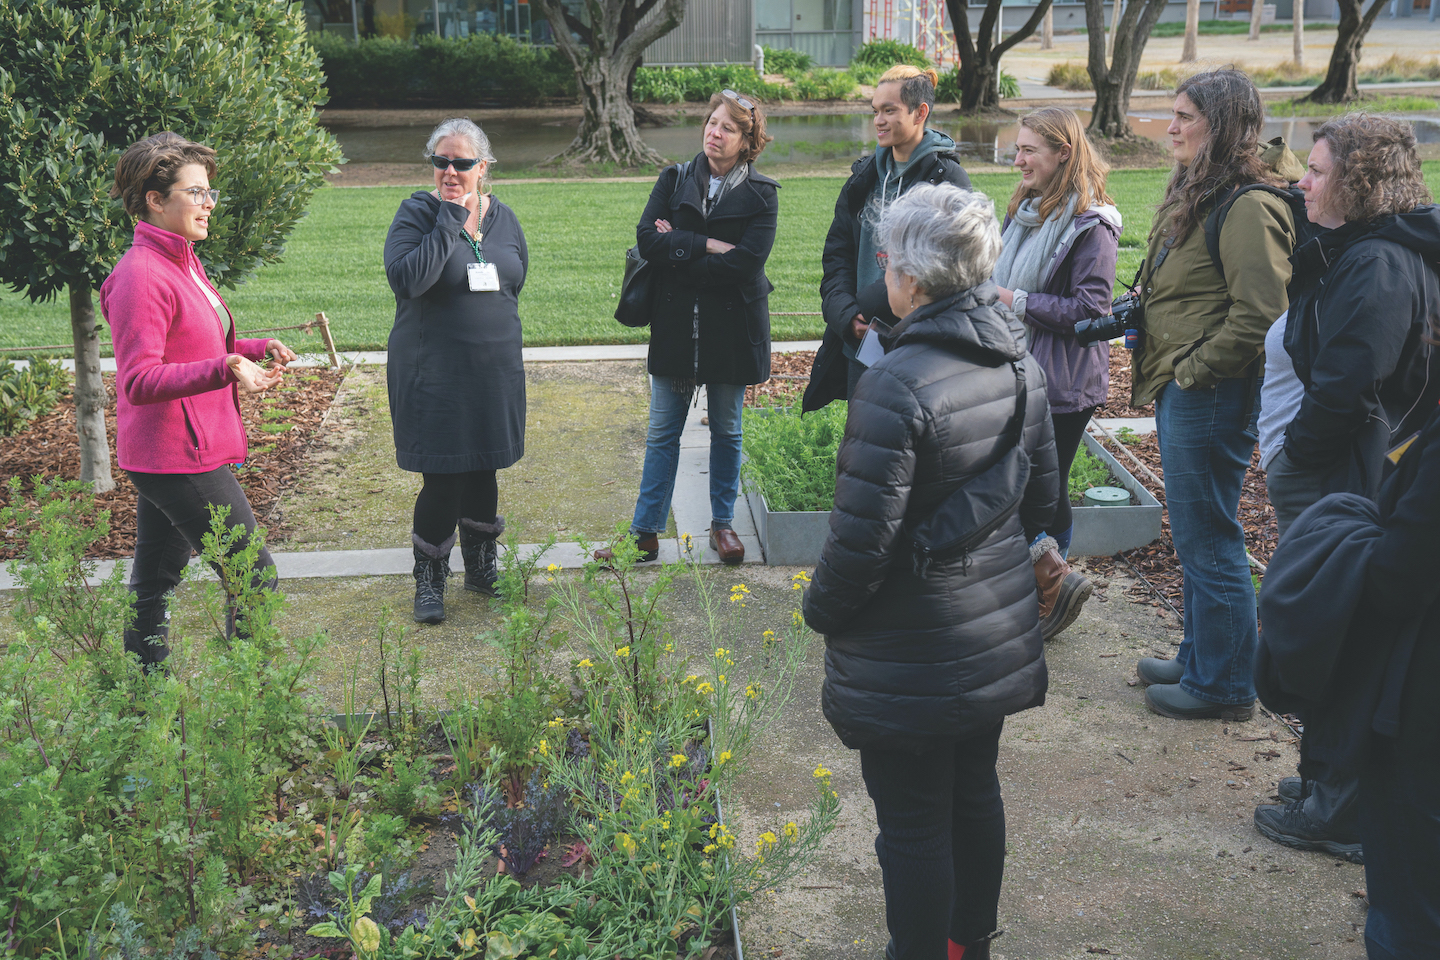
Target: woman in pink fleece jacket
[{"x": 178, "y": 372}]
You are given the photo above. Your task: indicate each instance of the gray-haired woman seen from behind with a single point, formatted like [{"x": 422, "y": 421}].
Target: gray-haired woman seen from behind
[
  {"x": 923, "y": 661},
  {"x": 456, "y": 260}
]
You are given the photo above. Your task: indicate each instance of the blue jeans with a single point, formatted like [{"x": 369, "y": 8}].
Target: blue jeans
[
  {"x": 662, "y": 452},
  {"x": 1206, "y": 438}
]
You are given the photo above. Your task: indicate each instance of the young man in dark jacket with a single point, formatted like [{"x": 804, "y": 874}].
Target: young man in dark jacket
[
  {"x": 853, "y": 289},
  {"x": 1363, "y": 295}
]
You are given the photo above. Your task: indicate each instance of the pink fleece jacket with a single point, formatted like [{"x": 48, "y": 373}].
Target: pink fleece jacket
[{"x": 178, "y": 407}]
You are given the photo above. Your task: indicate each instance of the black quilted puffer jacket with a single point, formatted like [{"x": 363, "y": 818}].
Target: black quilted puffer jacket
[{"x": 913, "y": 659}]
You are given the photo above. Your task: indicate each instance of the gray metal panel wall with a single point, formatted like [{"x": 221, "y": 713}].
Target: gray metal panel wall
[{"x": 713, "y": 31}]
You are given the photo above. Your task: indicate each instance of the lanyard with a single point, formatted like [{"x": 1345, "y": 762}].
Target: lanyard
[{"x": 474, "y": 244}]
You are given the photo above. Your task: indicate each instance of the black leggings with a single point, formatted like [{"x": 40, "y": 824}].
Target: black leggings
[
  {"x": 942, "y": 841},
  {"x": 172, "y": 518},
  {"x": 446, "y": 497},
  {"x": 1069, "y": 429}
]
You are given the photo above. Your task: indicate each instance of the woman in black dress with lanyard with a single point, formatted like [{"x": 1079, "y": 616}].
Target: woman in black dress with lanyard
[{"x": 456, "y": 259}]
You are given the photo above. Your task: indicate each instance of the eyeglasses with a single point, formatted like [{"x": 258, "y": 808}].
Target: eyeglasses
[
  {"x": 198, "y": 195},
  {"x": 461, "y": 164},
  {"x": 882, "y": 259},
  {"x": 744, "y": 104}
]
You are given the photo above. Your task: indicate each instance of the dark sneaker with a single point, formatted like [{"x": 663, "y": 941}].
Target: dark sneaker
[
  {"x": 1168, "y": 700},
  {"x": 1290, "y": 789},
  {"x": 1154, "y": 670},
  {"x": 1287, "y": 824}
]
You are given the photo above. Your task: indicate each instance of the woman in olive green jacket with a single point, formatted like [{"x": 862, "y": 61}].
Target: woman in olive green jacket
[{"x": 1199, "y": 359}]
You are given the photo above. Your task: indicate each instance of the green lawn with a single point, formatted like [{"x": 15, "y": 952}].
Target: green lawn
[{"x": 578, "y": 233}]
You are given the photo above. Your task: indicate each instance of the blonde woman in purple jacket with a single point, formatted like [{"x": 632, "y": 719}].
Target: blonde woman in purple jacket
[
  {"x": 179, "y": 370},
  {"x": 1056, "y": 268}
]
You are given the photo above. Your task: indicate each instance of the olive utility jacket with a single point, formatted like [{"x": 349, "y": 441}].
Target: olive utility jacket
[{"x": 1201, "y": 328}]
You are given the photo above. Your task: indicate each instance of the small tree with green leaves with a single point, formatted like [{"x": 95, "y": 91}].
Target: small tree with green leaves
[{"x": 81, "y": 80}]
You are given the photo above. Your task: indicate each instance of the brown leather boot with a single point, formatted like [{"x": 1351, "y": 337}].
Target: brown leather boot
[
  {"x": 727, "y": 546},
  {"x": 649, "y": 544},
  {"x": 1062, "y": 591}
]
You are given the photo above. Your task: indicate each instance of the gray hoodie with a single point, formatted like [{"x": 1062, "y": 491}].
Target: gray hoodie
[{"x": 892, "y": 179}]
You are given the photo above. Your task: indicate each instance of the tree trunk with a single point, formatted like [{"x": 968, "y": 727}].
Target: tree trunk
[
  {"x": 1114, "y": 22},
  {"x": 979, "y": 56},
  {"x": 608, "y": 133},
  {"x": 605, "y": 55},
  {"x": 1192, "y": 31},
  {"x": 89, "y": 391},
  {"x": 1339, "y": 85},
  {"x": 1113, "y": 82},
  {"x": 1257, "y": 10},
  {"x": 1047, "y": 30},
  {"x": 1299, "y": 37}
]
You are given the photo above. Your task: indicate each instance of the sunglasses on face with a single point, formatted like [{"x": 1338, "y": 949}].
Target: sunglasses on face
[
  {"x": 461, "y": 164},
  {"x": 744, "y": 104}
]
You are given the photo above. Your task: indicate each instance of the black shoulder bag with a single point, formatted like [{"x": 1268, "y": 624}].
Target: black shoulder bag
[
  {"x": 633, "y": 310},
  {"x": 981, "y": 504}
]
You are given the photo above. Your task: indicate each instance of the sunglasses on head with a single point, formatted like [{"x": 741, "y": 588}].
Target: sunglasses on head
[
  {"x": 744, "y": 104},
  {"x": 461, "y": 164}
]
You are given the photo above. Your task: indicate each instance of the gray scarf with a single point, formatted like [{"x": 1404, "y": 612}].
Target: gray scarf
[{"x": 1027, "y": 245}]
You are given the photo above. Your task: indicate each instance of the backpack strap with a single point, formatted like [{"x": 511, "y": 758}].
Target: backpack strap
[{"x": 1215, "y": 222}]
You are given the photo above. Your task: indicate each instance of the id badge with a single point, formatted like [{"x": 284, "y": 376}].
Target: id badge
[{"x": 484, "y": 278}]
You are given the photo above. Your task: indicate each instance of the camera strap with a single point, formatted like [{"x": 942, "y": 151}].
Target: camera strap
[{"x": 1134, "y": 284}]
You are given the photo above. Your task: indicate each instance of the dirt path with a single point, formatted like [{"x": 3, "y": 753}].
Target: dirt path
[{"x": 1129, "y": 835}]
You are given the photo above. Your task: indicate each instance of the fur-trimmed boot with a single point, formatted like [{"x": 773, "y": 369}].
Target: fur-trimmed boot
[
  {"x": 432, "y": 566},
  {"x": 477, "y": 546},
  {"x": 1062, "y": 591}
]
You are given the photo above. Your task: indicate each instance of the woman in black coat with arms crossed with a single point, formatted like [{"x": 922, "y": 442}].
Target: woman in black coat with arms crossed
[{"x": 707, "y": 229}]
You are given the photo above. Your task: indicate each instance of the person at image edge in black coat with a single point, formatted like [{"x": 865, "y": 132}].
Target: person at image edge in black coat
[
  {"x": 921, "y": 668},
  {"x": 456, "y": 259},
  {"x": 852, "y": 291}
]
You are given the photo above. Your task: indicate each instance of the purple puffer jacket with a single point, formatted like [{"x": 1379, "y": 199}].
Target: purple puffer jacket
[{"x": 1079, "y": 284}]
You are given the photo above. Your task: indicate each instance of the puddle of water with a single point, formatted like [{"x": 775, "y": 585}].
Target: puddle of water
[{"x": 522, "y": 145}]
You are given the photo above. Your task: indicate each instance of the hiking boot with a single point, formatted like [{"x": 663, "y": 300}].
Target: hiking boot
[
  {"x": 432, "y": 566},
  {"x": 477, "y": 547},
  {"x": 1290, "y": 789},
  {"x": 1154, "y": 670},
  {"x": 1287, "y": 824},
  {"x": 1062, "y": 591},
  {"x": 1168, "y": 700}
]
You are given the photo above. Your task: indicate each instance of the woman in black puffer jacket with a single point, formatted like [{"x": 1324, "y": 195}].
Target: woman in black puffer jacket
[{"x": 922, "y": 666}]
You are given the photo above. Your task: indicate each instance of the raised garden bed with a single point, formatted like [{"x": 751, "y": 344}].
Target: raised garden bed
[
  {"x": 795, "y": 537},
  {"x": 788, "y": 537},
  {"x": 569, "y": 810},
  {"x": 1103, "y": 531}
]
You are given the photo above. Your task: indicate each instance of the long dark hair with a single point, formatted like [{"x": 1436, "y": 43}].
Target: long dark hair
[{"x": 1230, "y": 155}]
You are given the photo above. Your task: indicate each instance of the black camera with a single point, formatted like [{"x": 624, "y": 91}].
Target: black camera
[{"x": 1126, "y": 314}]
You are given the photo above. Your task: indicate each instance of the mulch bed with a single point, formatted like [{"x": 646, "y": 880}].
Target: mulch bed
[
  {"x": 789, "y": 373},
  {"x": 279, "y": 425},
  {"x": 1156, "y": 562},
  {"x": 1118, "y": 403}
]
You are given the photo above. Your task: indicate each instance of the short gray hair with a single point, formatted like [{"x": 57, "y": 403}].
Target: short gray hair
[
  {"x": 946, "y": 238},
  {"x": 467, "y": 128}
]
